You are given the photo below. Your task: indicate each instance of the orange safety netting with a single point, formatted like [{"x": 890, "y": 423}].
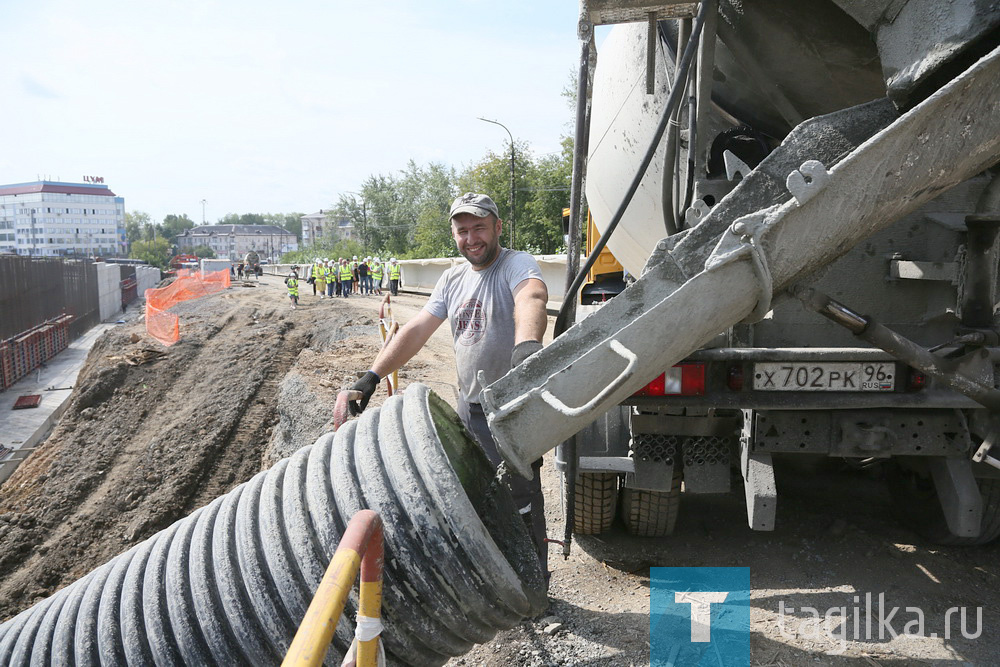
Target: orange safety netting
[{"x": 165, "y": 326}]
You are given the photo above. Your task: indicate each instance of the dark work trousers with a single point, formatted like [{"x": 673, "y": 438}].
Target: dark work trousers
[
  {"x": 345, "y": 287},
  {"x": 527, "y": 494},
  {"x": 394, "y": 287}
]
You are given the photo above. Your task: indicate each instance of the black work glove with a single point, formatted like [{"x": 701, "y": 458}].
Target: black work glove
[
  {"x": 522, "y": 351},
  {"x": 367, "y": 386}
]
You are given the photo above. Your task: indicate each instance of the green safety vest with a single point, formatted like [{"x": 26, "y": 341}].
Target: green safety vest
[
  {"x": 317, "y": 271},
  {"x": 377, "y": 271},
  {"x": 293, "y": 286},
  {"x": 327, "y": 271},
  {"x": 345, "y": 272},
  {"x": 394, "y": 272}
]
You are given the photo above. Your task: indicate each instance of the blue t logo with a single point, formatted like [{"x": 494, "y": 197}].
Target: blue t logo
[{"x": 699, "y": 616}]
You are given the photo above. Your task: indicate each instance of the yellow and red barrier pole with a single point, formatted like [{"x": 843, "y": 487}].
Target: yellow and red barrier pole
[
  {"x": 370, "y": 605},
  {"x": 360, "y": 549},
  {"x": 387, "y": 328}
]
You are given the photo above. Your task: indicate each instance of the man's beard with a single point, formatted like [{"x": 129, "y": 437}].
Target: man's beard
[{"x": 487, "y": 258}]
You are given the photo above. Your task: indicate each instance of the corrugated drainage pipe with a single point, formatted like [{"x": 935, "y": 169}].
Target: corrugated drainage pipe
[{"x": 230, "y": 583}]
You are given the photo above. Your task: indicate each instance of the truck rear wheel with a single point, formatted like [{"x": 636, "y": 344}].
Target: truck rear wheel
[
  {"x": 596, "y": 497},
  {"x": 917, "y": 506},
  {"x": 652, "y": 513}
]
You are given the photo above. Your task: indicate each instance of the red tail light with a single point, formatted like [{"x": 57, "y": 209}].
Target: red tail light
[
  {"x": 916, "y": 381},
  {"x": 686, "y": 379},
  {"x": 734, "y": 377}
]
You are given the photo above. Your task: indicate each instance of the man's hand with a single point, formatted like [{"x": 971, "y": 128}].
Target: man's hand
[
  {"x": 522, "y": 351},
  {"x": 367, "y": 386}
]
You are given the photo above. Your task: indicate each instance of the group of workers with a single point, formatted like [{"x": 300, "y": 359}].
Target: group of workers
[{"x": 342, "y": 277}]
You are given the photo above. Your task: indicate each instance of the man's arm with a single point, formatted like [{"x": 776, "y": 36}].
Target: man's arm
[
  {"x": 406, "y": 343},
  {"x": 530, "y": 297}
]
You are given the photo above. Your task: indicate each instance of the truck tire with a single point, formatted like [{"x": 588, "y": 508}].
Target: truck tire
[
  {"x": 652, "y": 513},
  {"x": 595, "y": 502},
  {"x": 916, "y": 503}
]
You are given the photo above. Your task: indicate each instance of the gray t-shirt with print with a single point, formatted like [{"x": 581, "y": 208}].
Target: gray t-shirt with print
[{"x": 479, "y": 306}]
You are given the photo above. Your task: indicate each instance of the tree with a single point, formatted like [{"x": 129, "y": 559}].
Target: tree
[
  {"x": 175, "y": 225},
  {"x": 290, "y": 221},
  {"x": 432, "y": 232},
  {"x": 156, "y": 252},
  {"x": 135, "y": 221},
  {"x": 551, "y": 178},
  {"x": 252, "y": 219},
  {"x": 204, "y": 252}
]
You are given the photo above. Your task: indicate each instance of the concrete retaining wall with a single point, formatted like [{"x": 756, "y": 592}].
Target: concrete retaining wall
[
  {"x": 147, "y": 277},
  {"x": 109, "y": 293},
  {"x": 213, "y": 265}
]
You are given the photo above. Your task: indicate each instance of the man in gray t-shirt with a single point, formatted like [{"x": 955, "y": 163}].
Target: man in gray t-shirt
[
  {"x": 479, "y": 306},
  {"x": 495, "y": 305}
]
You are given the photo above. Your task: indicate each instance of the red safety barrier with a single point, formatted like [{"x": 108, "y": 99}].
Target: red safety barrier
[{"x": 164, "y": 326}]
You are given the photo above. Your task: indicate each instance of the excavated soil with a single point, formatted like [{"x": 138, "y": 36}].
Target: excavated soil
[
  {"x": 153, "y": 433},
  {"x": 251, "y": 381}
]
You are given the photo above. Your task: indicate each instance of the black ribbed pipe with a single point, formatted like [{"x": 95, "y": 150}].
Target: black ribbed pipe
[{"x": 230, "y": 583}]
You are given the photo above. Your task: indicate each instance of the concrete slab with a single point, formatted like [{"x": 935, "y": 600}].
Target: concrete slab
[{"x": 23, "y": 429}]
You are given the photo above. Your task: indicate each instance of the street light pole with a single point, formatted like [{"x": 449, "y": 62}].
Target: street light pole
[
  {"x": 203, "y": 211},
  {"x": 487, "y": 120},
  {"x": 364, "y": 219}
]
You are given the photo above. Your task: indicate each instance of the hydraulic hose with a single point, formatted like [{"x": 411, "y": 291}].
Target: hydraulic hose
[
  {"x": 230, "y": 583},
  {"x": 673, "y": 99}
]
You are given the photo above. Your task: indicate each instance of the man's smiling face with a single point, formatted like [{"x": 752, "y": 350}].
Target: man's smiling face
[{"x": 477, "y": 239}]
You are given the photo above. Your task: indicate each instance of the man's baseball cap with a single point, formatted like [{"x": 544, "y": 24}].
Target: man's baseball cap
[{"x": 478, "y": 205}]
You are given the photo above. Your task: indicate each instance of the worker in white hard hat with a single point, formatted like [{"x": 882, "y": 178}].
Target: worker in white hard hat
[
  {"x": 495, "y": 304},
  {"x": 331, "y": 271},
  {"x": 346, "y": 278},
  {"x": 292, "y": 281},
  {"x": 394, "y": 276},
  {"x": 376, "y": 267}
]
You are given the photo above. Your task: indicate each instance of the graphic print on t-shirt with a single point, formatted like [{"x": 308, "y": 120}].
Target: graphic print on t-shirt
[{"x": 470, "y": 322}]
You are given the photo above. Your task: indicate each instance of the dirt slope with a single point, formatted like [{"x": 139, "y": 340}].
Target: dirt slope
[{"x": 144, "y": 445}]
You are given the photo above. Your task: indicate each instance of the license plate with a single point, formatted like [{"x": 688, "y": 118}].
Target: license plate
[{"x": 831, "y": 376}]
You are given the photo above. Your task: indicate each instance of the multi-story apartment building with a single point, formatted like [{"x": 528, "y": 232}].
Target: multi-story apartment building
[
  {"x": 52, "y": 218},
  {"x": 235, "y": 241},
  {"x": 316, "y": 226}
]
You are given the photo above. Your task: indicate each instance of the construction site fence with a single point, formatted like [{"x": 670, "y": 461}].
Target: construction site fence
[{"x": 164, "y": 325}]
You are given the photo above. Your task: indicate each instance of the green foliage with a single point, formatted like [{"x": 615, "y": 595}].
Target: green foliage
[
  {"x": 135, "y": 221},
  {"x": 156, "y": 252},
  {"x": 541, "y": 190},
  {"x": 204, "y": 252},
  {"x": 175, "y": 225},
  {"x": 405, "y": 214},
  {"x": 346, "y": 248}
]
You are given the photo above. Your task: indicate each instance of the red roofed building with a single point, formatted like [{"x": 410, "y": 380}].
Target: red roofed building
[{"x": 51, "y": 218}]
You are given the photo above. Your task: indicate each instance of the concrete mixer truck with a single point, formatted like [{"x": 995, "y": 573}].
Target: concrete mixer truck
[{"x": 807, "y": 196}]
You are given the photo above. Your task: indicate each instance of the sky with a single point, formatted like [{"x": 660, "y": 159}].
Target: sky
[{"x": 268, "y": 107}]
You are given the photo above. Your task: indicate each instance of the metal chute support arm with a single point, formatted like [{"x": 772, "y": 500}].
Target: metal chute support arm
[{"x": 662, "y": 318}]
